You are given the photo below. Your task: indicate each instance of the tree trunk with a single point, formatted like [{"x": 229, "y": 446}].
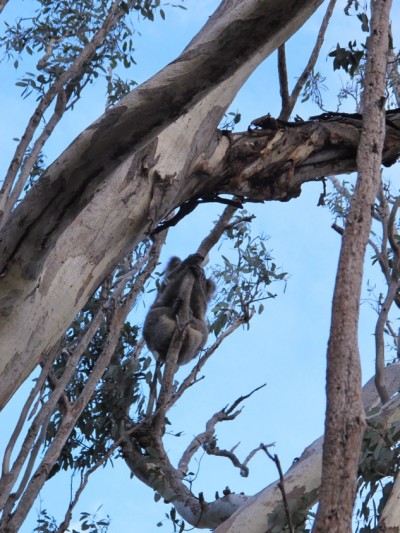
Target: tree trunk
[
  {"x": 122, "y": 176},
  {"x": 345, "y": 419}
]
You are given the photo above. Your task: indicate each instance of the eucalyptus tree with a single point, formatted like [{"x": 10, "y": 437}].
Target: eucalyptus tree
[{"x": 80, "y": 238}]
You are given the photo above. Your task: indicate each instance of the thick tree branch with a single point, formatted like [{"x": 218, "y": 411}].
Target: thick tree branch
[
  {"x": 145, "y": 112},
  {"x": 117, "y": 180},
  {"x": 265, "y": 164}
]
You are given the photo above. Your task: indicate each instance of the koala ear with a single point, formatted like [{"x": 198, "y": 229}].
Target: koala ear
[{"x": 173, "y": 263}]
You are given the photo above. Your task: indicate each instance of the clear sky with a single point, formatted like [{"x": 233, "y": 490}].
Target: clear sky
[{"x": 286, "y": 345}]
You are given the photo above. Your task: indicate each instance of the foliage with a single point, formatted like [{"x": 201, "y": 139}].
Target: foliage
[
  {"x": 87, "y": 522},
  {"x": 347, "y": 58},
  {"x": 178, "y": 525},
  {"x": 119, "y": 388},
  {"x": 76, "y": 43},
  {"x": 59, "y": 32},
  {"x": 242, "y": 285},
  {"x": 378, "y": 469},
  {"x": 313, "y": 88},
  {"x": 231, "y": 119}
]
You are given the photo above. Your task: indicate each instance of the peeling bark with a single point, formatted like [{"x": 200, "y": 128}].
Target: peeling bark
[
  {"x": 260, "y": 165},
  {"x": 121, "y": 177}
]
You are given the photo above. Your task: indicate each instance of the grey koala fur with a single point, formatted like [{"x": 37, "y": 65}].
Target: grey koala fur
[{"x": 161, "y": 320}]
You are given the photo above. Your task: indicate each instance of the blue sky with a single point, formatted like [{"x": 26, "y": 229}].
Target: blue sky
[{"x": 286, "y": 345}]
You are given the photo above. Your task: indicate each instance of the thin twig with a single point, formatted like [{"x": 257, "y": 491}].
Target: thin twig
[
  {"x": 391, "y": 293},
  {"x": 57, "y": 89},
  {"x": 25, "y": 410},
  {"x": 291, "y": 100},
  {"x": 84, "y": 479},
  {"x": 281, "y": 485}
]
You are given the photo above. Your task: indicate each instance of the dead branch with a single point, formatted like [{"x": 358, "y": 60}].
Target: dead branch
[
  {"x": 208, "y": 441},
  {"x": 281, "y": 486},
  {"x": 254, "y": 452}
]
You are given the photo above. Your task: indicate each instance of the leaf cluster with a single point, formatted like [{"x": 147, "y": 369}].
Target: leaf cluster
[
  {"x": 377, "y": 469},
  {"x": 338, "y": 200},
  {"x": 349, "y": 58},
  {"x": 243, "y": 281},
  {"x": 177, "y": 523},
  {"x": 313, "y": 88},
  {"x": 88, "y": 522},
  {"x": 230, "y": 120},
  {"x": 58, "y": 32}
]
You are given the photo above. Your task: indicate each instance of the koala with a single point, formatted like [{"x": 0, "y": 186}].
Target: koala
[{"x": 161, "y": 320}]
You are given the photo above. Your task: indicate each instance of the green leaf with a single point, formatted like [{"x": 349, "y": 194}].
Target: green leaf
[{"x": 364, "y": 22}]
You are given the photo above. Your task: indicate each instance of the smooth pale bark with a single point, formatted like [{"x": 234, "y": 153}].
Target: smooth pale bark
[
  {"x": 267, "y": 164},
  {"x": 122, "y": 176},
  {"x": 265, "y": 510},
  {"x": 390, "y": 518}
]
